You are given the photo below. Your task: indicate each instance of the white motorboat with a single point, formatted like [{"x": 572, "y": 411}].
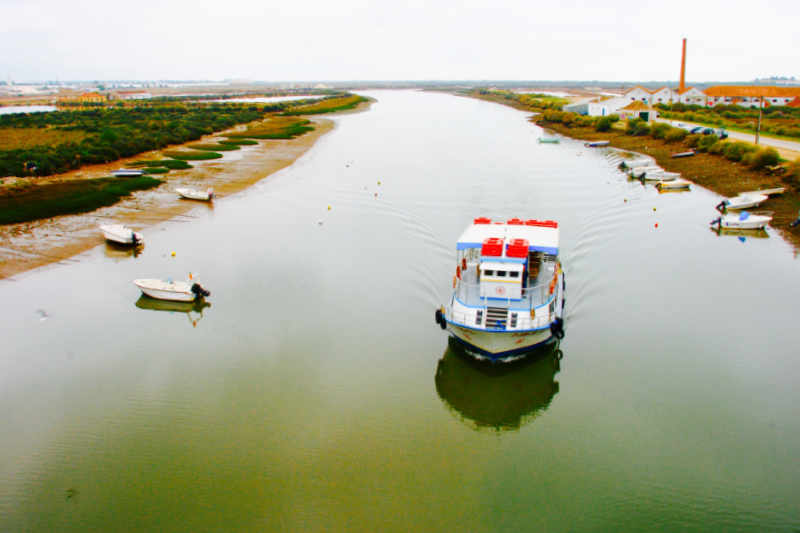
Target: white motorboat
[
  {"x": 673, "y": 184},
  {"x": 643, "y": 172},
  {"x": 193, "y": 194},
  {"x": 121, "y": 234},
  {"x": 176, "y": 291},
  {"x": 667, "y": 176},
  {"x": 743, "y": 220},
  {"x": 508, "y": 288},
  {"x": 633, "y": 163},
  {"x": 127, "y": 172},
  {"x": 743, "y": 201},
  {"x": 596, "y": 144}
]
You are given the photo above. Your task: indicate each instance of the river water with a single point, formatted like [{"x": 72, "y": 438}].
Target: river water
[{"x": 316, "y": 393}]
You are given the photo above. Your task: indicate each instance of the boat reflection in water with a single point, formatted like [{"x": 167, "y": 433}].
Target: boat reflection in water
[
  {"x": 193, "y": 310},
  {"x": 502, "y": 396},
  {"x": 122, "y": 251},
  {"x": 760, "y": 233}
]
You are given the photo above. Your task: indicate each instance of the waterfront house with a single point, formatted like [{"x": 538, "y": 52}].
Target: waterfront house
[
  {"x": 751, "y": 95},
  {"x": 637, "y": 109}
]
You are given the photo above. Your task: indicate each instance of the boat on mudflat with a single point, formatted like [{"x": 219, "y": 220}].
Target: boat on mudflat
[
  {"x": 742, "y": 201},
  {"x": 596, "y": 144},
  {"x": 508, "y": 288},
  {"x": 549, "y": 140},
  {"x": 176, "y": 291},
  {"x": 121, "y": 234},
  {"x": 743, "y": 220},
  {"x": 689, "y": 153},
  {"x": 673, "y": 184},
  {"x": 194, "y": 194},
  {"x": 127, "y": 172}
]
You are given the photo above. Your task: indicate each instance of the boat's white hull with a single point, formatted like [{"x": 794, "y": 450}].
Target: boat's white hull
[
  {"x": 674, "y": 184},
  {"x": 752, "y": 222},
  {"x": 120, "y": 234},
  {"x": 744, "y": 202},
  {"x": 176, "y": 291},
  {"x": 191, "y": 194},
  {"x": 497, "y": 345},
  {"x": 127, "y": 173}
]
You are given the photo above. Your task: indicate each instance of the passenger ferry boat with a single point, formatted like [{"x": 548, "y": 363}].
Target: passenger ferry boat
[{"x": 508, "y": 288}]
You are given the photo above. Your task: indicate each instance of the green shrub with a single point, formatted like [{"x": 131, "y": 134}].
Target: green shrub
[
  {"x": 718, "y": 147},
  {"x": 637, "y": 127},
  {"x": 762, "y": 158},
  {"x": 613, "y": 118},
  {"x": 660, "y": 130},
  {"x": 675, "y": 135},
  {"x": 604, "y": 124},
  {"x": 735, "y": 151},
  {"x": 792, "y": 176},
  {"x": 706, "y": 142},
  {"x": 693, "y": 140}
]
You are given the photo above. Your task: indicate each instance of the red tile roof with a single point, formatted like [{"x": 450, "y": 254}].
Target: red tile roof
[{"x": 753, "y": 91}]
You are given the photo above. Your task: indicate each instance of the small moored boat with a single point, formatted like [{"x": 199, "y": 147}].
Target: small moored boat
[
  {"x": 596, "y": 144},
  {"x": 684, "y": 154},
  {"x": 508, "y": 288},
  {"x": 193, "y": 194},
  {"x": 642, "y": 172},
  {"x": 121, "y": 234},
  {"x": 127, "y": 172},
  {"x": 743, "y": 220},
  {"x": 548, "y": 140},
  {"x": 743, "y": 201},
  {"x": 673, "y": 184},
  {"x": 177, "y": 291}
]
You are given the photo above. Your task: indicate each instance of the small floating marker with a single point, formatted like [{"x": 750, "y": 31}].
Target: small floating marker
[
  {"x": 626, "y": 200},
  {"x": 173, "y": 254},
  {"x": 654, "y": 209},
  {"x": 376, "y": 195},
  {"x": 379, "y": 182},
  {"x": 656, "y": 224},
  {"x": 329, "y": 208}
]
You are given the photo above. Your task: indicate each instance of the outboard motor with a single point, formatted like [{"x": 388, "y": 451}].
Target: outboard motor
[
  {"x": 199, "y": 291},
  {"x": 722, "y": 206},
  {"x": 134, "y": 239}
]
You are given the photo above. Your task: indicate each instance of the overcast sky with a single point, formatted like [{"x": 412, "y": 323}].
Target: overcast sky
[{"x": 397, "y": 40}]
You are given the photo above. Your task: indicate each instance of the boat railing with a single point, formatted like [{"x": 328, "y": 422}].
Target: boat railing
[{"x": 531, "y": 296}]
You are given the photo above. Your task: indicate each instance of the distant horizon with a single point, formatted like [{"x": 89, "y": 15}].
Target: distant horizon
[{"x": 370, "y": 40}]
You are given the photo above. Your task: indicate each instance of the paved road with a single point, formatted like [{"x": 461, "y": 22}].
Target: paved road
[{"x": 749, "y": 137}]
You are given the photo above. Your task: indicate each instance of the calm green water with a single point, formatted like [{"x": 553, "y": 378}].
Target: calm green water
[{"x": 316, "y": 393}]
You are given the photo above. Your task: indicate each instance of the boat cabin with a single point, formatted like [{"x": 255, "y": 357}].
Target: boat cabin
[{"x": 510, "y": 263}]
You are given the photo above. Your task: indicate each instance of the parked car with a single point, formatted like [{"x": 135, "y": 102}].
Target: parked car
[
  {"x": 722, "y": 134},
  {"x": 697, "y": 129}
]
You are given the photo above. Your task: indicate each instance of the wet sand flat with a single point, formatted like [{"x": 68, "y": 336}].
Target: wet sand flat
[{"x": 33, "y": 244}]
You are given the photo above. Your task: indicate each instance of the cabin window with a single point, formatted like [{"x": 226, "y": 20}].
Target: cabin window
[
  {"x": 488, "y": 272},
  {"x": 501, "y": 273},
  {"x": 513, "y": 274}
]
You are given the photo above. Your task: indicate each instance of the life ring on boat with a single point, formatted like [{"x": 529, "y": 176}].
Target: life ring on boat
[
  {"x": 464, "y": 264},
  {"x": 557, "y": 328},
  {"x": 458, "y": 272},
  {"x": 438, "y": 316},
  {"x": 552, "y": 285},
  {"x": 454, "y": 282}
]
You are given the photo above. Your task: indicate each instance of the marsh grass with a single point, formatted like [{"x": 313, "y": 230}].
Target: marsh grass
[
  {"x": 329, "y": 105},
  {"x": 80, "y": 196},
  {"x": 172, "y": 164},
  {"x": 26, "y": 138},
  {"x": 211, "y": 147},
  {"x": 156, "y": 170},
  {"x": 198, "y": 155},
  {"x": 275, "y": 128}
]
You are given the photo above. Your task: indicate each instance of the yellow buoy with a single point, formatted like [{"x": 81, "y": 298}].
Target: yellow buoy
[{"x": 173, "y": 254}]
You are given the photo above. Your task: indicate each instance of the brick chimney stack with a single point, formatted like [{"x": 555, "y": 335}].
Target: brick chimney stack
[{"x": 683, "y": 68}]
